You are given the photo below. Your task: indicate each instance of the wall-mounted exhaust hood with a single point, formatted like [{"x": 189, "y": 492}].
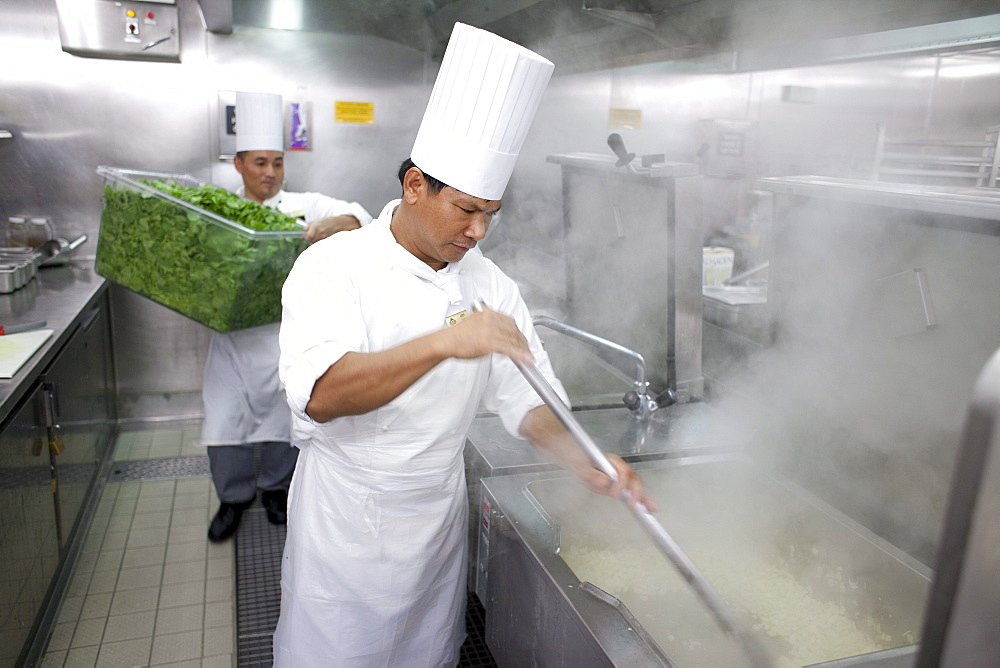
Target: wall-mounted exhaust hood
[
  {"x": 951, "y": 36},
  {"x": 218, "y": 15},
  {"x": 719, "y": 35}
]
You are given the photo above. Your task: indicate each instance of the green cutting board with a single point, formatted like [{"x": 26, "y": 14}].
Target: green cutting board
[{"x": 16, "y": 349}]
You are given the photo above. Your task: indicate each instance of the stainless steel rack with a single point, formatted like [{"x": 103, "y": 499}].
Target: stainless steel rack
[{"x": 925, "y": 160}]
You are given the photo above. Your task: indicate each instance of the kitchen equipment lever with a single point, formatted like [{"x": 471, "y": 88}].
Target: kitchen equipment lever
[
  {"x": 663, "y": 540},
  {"x": 624, "y": 157},
  {"x": 733, "y": 280},
  {"x": 155, "y": 42}
]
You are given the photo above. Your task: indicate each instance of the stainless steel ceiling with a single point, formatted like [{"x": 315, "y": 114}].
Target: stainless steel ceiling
[{"x": 582, "y": 35}]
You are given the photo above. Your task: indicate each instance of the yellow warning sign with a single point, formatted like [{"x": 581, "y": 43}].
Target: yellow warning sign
[
  {"x": 354, "y": 112},
  {"x": 625, "y": 118}
]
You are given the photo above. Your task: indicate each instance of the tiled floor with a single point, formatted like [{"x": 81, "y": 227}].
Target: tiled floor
[{"x": 149, "y": 589}]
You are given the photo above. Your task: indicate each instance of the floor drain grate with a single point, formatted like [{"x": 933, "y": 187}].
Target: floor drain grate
[
  {"x": 474, "y": 652},
  {"x": 159, "y": 469},
  {"x": 258, "y": 586}
]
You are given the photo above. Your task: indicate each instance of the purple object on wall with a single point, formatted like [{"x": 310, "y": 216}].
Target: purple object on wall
[{"x": 299, "y": 139}]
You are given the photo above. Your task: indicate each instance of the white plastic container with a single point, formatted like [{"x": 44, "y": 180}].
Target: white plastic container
[
  {"x": 17, "y": 231},
  {"x": 716, "y": 265},
  {"x": 39, "y": 231}
]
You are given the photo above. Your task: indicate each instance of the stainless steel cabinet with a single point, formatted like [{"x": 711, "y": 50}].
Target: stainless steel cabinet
[
  {"x": 29, "y": 542},
  {"x": 53, "y": 452},
  {"x": 80, "y": 385},
  {"x": 885, "y": 300},
  {"x": 633, "y": 263}
]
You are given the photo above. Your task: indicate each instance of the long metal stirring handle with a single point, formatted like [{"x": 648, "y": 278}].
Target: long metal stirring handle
[
  {"x": 565, "y": 416},
  {"x": 652, "y": 526},
  {"x": 755, "y": 652}
]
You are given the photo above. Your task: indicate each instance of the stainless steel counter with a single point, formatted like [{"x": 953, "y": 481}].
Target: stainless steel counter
[
  {"x": 58, "y": 295},
  {"x": 977, "y": 203}
]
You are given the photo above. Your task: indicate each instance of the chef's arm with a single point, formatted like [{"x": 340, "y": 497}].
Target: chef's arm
[
  {"x": 361, "y": 382},
  {"x": 321, "y": 228},
  {"x": 546, "y": 433}
]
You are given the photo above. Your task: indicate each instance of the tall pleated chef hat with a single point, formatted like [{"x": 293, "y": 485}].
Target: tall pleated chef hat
[
  {"x": 259, "y": 122},
  {"x": 484, "y": 99}
]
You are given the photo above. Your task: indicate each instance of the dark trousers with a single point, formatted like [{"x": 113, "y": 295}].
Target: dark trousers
[{"x": 233, "y": 471}]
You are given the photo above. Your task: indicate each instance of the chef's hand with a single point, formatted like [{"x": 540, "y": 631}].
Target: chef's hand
[
  {"x": 483, "y": 332},
  {"x": 326, "y": 227},
  {"x": 628, "y": 488}
]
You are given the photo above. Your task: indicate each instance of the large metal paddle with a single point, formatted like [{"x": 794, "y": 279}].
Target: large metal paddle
[{"x": 756, "y": 654}]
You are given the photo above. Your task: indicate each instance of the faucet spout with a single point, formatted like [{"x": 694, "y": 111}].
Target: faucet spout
[{"x": 624, "y": 359}]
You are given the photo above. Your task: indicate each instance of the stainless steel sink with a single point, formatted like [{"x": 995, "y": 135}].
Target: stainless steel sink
[
  {"x": 674, "y": 431},
  {"x": 573, "y": 580}
]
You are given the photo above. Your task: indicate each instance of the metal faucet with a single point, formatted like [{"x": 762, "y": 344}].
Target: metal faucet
[{"x": 636, "y": 400}]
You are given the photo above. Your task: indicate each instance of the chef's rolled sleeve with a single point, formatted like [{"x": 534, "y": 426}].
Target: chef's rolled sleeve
[
  {"x": 320, "y": 323},
  {"x": 514, "y": 397},
  {"x": 301, "y": 375}
]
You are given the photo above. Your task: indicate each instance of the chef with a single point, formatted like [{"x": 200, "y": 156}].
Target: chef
[
  {"x": 243, "y": 402},
  {"x": 384, "y": 370}
]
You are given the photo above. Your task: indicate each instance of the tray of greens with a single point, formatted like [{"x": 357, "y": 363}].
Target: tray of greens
[{"x": 194, "y": 248}]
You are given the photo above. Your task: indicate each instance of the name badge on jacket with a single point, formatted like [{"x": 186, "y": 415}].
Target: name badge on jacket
[{"x": 457, "y": 317}]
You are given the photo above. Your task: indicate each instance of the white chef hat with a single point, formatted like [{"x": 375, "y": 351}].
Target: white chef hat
[
  {"x": 259, "y": 122},
  {"x": 482, "y": 104}
]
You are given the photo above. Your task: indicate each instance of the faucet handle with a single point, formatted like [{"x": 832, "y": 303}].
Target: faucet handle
[
  {"x": 667, "y": 397},
  {"x": 632, "y": 400},
  {"x": 640, "y": 403}
]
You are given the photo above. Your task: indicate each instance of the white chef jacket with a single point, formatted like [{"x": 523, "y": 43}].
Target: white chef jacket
[
  {"x": 373, "y": 572},
  {"x": 242, "y": 398}
]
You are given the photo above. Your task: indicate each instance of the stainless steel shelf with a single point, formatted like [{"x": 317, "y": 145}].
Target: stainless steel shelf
[{"x": 977, "y": 203}]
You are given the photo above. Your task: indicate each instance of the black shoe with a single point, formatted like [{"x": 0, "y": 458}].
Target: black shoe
[
  {"x": 226, "y": 521},
  {"x": 275, "y": 503}
]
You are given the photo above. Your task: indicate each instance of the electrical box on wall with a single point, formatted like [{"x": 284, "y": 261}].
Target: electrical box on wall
[
  {"x": 726, "y": 147},
  {"x": 227, "y": 124},
  {"x": 147, "y": 30}
]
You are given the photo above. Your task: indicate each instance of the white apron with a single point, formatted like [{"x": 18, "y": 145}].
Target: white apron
[
  {"x": 242, "y": 398},
  {"x": 373, "y": 572},
  {"x": 374, "y": 568},
  {"x": 241, "y": 394}
]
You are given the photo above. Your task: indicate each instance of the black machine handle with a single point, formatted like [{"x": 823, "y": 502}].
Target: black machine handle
[{"x": 618, "y": 146}]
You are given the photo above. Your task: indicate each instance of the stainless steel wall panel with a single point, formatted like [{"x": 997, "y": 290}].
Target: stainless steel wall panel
[
  {"x": 160, "y": 356},
  {"x": 69, "y": 114},
  {"x": 350, "y": 161}
]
